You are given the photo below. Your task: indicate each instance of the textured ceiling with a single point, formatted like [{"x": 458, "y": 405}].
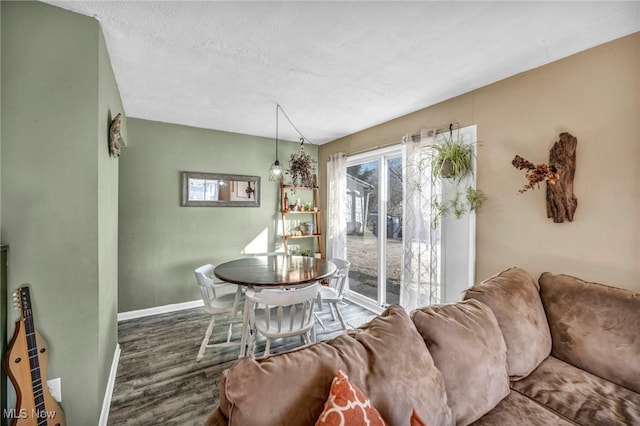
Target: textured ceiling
[{"x": 335, "y": 67}]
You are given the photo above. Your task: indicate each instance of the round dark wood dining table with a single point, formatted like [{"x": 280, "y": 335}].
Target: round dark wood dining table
[{"x": 261, "y": 272}]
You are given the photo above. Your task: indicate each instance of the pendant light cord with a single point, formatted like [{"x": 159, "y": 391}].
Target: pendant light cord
[
  {"x": 277, "y": 106},
  {"x": 302, "y": 137}
]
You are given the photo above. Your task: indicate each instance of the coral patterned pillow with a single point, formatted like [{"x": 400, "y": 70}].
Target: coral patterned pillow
[
  {"x": 347, "y": 405},
  {"x": 416, "y": 420}
]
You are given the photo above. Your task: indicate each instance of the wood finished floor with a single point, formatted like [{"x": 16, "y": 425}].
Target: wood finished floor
[{"x": 159, "y": 380}]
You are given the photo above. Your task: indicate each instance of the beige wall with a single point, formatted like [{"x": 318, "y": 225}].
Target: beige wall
[{"x": 594, "y": 95}]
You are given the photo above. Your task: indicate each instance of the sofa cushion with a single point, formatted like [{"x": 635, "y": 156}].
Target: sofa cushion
[
  {"x": 594, "y": 327},
  {"x": 467, "y": 347},
  {"x": 385, "y": 358},
  {"x": 517, "y": 409},
  {"x": 579, "y": 395},
  {"x": 513, "y": 296},
  {"x": 347, "y": 405}
]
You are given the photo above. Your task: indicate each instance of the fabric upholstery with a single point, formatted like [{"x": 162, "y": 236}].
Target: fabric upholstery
[
  {"x": 517, "y": 409},
  {"x": 466, "y": 344},
  {"x": 224, "y": 404},
  {"x": 579, "y": 395},
  {"x": 386, "y": 359},
  {"x": 513, "y": 296},
  {"x": 347, "y": 405},
  {"x": 591, "y": 378},
  {"x": 594, "y": 327}
]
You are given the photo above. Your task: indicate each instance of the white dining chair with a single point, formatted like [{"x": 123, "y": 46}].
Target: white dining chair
[
  {"x": 281, "y": 313},
  {"x": 219, "y": 298},
  {"x": 333, "y": 293}
]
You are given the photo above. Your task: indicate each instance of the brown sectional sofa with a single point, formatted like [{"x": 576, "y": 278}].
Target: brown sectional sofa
[{"x": 559, "y": 351}]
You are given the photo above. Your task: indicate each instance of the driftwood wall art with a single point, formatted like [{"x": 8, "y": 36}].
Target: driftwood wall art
[
  {"x": 561, "y": 203},
  {"x": 558, "y": 174}
]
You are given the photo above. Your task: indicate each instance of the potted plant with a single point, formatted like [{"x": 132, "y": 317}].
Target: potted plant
[
  {"x": 298, "y": 252},
  {"x": 451, "y": 158},
  {"x": 306, "y": 228},
  {"x": 301, "y": 168}
]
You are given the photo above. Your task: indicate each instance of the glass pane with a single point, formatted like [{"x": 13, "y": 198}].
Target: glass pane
[
  {"x": 393, "y": 243},
  {"x": 196, "y": 189},
  {"x": 362, "y": 231},
  {"x": 211, "y": 190}
]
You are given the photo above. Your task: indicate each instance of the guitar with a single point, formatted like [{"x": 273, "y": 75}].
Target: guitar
[{"x": 26, "y": 365}]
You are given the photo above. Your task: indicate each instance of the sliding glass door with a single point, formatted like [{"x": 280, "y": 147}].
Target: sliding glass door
[
  {"x": 374, "y": 226},
  {"x": 442, "y": 266}
]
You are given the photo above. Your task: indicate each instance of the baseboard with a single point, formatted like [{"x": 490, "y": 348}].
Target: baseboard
[
  {"x": 123, "y": 316},
  {"x": 106, "y": 402}
]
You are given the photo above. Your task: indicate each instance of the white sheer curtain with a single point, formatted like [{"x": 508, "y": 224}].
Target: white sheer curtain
[
  {"x": 336, "y": 207},
  {"x": 422, "y": 264}
]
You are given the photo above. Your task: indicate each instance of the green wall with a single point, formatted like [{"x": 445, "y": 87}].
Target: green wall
[
  {"x": 3, "y": 290},
  {"x": 59, "y": 191},
  {"x": 160, "y": 242},
  {"x": 109, "y": 104}
]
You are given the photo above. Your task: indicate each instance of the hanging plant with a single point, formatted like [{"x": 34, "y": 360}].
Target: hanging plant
[
  {"x": 451, "y": 158},
  {"x": 475, "y": 198},
  {"x": 452, "y": 197},
  {"x": 439, "y": 211},
  {"x": 301, "y": 168},
  {"x": 459, "y": 205}
]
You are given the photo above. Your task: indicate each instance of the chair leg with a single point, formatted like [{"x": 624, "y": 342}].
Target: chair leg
[
  {"x": 236, "y": 302},
  {"x": 267, "y": 348},
  {"x": 319, "y": 320},
  {"x": 229, "y": 332},
  {"x": 252, "y": 342},
  {"x": 205, "y": 341},
  {"x": 331, "y": 308},
  {"x": 340, "y": 317}
]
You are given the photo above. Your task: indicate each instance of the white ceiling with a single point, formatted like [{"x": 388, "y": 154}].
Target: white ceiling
[{"x": 335, "y": 67}]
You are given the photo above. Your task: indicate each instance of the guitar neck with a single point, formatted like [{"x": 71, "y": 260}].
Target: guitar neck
[{"x": 34, "y": 361}]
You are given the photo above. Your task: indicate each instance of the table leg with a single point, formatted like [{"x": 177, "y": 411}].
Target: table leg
[{"x": 245, "y": 327}]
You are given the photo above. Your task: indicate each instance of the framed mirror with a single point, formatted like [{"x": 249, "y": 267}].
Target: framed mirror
[{"x": 220, "y": 190}]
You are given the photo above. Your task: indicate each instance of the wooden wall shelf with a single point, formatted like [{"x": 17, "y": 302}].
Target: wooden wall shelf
[{"x": 287, "y": 231}]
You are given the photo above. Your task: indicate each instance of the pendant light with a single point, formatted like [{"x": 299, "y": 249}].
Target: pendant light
[{"x": 275, "y": 171}]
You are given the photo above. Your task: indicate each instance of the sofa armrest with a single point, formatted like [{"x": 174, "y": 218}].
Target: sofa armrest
[{"x": 216, "y": 418}]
